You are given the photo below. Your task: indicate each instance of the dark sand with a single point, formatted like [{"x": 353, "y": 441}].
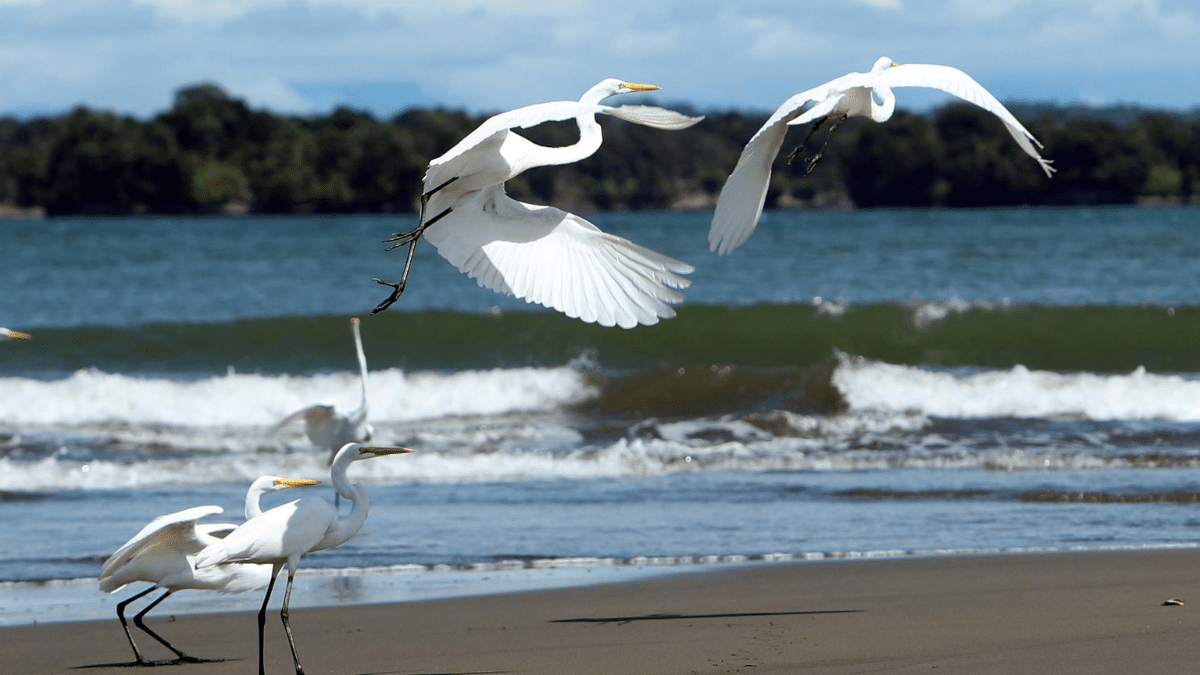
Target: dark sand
[{"x": 1029, "y": 614}]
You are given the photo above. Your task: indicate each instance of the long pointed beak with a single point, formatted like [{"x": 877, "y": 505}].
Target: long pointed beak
[
  {"x": 381, "y": 451},
  {"x": 15, "y": 334},
  {"x": 296, "y": 482},
  {"x": 634, "y": 86}
]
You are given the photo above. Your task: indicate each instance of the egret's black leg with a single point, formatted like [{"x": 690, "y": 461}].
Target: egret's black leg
[
  {"x": 287, "y": 626},
  {"x": 812, "y": 161},
  {"x": 125, "y": 626},
  {"x": 262, "y": 620},
  {"x": 412, "y": 237},
  {"x": 138, "y": 620},
  {"x": 804, "y": 143}
]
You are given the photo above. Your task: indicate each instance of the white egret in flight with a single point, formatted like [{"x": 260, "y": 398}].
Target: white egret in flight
[
  {"x": 539, "y": 253},
  {"x": 327, "y": 427},
  {"x": 162, "y": 554},
  {"x": 854, "y": 95},
  {"x": 280, "y": 536},
  {"x": 10, "y": 334}
]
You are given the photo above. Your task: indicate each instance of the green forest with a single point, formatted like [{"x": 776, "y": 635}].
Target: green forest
[{"x": 211, "y": 154}]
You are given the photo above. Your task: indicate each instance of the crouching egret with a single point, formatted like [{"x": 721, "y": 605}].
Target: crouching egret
[
  {"x": 327, "y": 427},
  {"x": 280, "y": 536},
  {"x": 853, "y": 95},
  {"x": 539, "y": 253},
  {"x": 162, "y": 554}
]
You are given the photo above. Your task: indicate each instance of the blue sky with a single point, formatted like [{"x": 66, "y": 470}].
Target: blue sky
[{"x": 308, "y": 56}]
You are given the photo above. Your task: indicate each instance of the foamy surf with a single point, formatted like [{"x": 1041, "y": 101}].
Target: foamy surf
[
  {"x": 240, "y": 399},
  {"x": 866, "y": 384}
]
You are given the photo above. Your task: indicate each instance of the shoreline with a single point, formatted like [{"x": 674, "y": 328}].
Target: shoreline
[{"x": 1073, "y": 612}]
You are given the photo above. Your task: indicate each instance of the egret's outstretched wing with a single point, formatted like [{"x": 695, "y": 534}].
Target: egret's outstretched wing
[
  {"x": 319, "y": 414},
  {"x": 521, "y": 118},
  {"x": 651, "y": 116},
  {"x": 553, "y": 258},
  {"x": 741, "y": 202},
  {"x": 174, "y": 530},
  {"x": 954, "y": 81}
]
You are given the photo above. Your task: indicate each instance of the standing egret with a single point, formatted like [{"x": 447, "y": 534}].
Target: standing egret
[
  {"x": 162, "y": 555},
  {"x": 10, "y": 334},
  {"x": 853, "y": 95},
  {"x": 281, "y": 536},
  {"x": 326, "y": 426},
  {"x": 539, "y": 253}
]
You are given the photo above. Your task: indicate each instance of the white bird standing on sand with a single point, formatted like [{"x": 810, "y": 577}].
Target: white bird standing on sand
[
  {"x": 539, "y": 253},
  {"x": 854, "y": 95},
  {"x": 162, "y": 554},
  {"x": 280, "y": 536},
  {"x": 10, "y": 334},
  {"x": 326, "y": 426}
]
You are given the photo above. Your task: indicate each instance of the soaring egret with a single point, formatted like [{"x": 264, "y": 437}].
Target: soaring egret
[
  {"x": 326, "y": 426},
  {"x": 853, "y": 95},
  {"x": 280, "y": 536},
  {"x": 539, "y": 253},
  {"x": 162, "y": 555},
  {"x": 10, "y": 334}
]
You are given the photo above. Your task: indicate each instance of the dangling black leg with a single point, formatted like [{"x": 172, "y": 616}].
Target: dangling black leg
[
  {"x": 180, "y": 656},
  {"x": 262, "y": 619},
  {"x": 804, "y": 143},
  {"x": 411, "y": 238},
  {"x": 401, "y": 238},
  {"x": 812, "y": 161},
  {"x": 287, "y": 626},
  {"x": 125, "y": 626}
]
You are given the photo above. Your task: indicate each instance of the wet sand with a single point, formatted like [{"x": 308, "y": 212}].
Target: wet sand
[{"x": 1019, "y": 614}]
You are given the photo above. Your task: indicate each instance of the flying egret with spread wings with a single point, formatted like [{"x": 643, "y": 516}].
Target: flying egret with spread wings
[
  {"x": 162, "y": 554},
  {"x": 281, "y": 536},
  {"x": 327, "y": 427},
  {"x": 854, "y": 95},
  {"x": 539, "y": 253}
]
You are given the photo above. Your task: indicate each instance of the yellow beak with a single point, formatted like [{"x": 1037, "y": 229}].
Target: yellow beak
[
  {"x": 296, "y": 482},
  {"x": 381, "y": 451},
  {"x": 634, "y": 86}
]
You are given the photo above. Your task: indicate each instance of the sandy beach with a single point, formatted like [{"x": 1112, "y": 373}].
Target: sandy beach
[{"x": 1048, "y": 613}]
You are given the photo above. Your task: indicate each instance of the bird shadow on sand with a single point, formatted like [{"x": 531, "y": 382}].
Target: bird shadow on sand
[
  {"x": 449, "y": 672},
  {"x": 151, "y": 664},
  {"x": 723, "y": 615}
]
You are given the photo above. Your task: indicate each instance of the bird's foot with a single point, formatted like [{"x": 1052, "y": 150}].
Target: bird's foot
[
  {"x": 794, "y": 153},
  {"x": 811, "y": 163},
  {"x": 397, "y": 289},
  {"x": 401, "y": 238}
]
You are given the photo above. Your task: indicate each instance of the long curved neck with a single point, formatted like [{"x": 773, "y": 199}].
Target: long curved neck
[
  {"x": 349, "y": 526},
  {"x": 254, "y": 498},
  {"x": 362, "y": 370},
  {"x": 590, "y": 138},
  {"x": 882, "y": 111}
]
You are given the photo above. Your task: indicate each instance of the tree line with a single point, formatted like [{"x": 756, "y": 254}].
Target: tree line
[{"x": 211, "y": 153}]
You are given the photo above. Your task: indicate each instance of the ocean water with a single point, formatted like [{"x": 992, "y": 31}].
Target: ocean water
[{"x": 848, "y": 384}]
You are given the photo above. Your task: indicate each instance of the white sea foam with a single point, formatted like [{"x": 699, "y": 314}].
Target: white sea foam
[
  {"x": 1018, "y": 392},
  {"x": 237, "y": 399}
]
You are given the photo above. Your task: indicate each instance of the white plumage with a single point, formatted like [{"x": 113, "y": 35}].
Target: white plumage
[
  {"x": 540, "y": 253},
  {"x": 163, "y": 552},
  {"x": 853, "y": 95}
]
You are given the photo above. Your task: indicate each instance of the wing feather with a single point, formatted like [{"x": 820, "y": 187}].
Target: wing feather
[
  {"x": 178, "y": 529},
  {"x": 954, "y": 81},
  {"x": 557, "y": 259}
]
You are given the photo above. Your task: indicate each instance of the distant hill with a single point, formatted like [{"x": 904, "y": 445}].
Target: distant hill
[{"x": 211, "y": 153}]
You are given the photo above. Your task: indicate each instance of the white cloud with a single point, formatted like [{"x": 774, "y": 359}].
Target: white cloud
[{"x": 131, "y": 55}]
